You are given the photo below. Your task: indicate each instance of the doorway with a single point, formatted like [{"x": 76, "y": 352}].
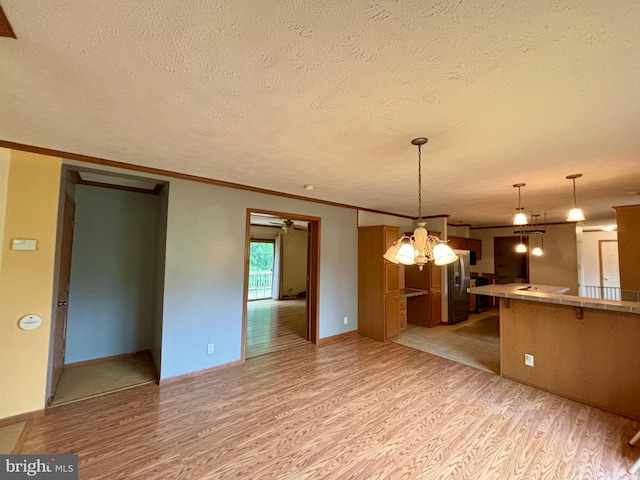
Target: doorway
[
  {"x": 261, "y": 267},
  {"x": 510, "y": 266},
  {"x": 107, "y": 327},
  {"x": 281, "y": 282}
]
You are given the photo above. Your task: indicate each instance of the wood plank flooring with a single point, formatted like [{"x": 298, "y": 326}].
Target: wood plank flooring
[
  {"x": 274, "y": 325},
  {"x": 358, "y": 409}
]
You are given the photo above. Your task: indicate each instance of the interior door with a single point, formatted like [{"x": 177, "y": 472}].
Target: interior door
[
  {"x": 609, "y": 269},
  {"x": 60, "y": 328}
]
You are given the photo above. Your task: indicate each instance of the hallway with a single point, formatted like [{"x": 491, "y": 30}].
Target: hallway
[{"x": 274, "y": 325}]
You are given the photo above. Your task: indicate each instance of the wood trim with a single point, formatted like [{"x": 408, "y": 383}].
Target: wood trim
[
  {"x": 5, "y": 27},
  {"x": 94, "y": 361},
  {"x": 245, "y": 285},
  {"x": 185, "y": 176},
  {"x": 118, "y": 187},
  {"x": 512, "y": 226},
  {"x": 337, "y": 338},
  {"x": 313, "y": 272},
  {"x": 187, "y": 376},
  {"x": 22, "y": 417}
]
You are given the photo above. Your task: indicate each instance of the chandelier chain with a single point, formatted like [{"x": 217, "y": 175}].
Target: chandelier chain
[{"x": 419, "y": 184}]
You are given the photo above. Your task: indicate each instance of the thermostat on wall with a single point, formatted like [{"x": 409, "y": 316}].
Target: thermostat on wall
[
  {"x": 23, "y": 244},
  {"x": 30, "y": 322}
]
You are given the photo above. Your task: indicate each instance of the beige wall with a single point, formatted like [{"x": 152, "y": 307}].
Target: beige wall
[
  {"x": 26, "y": 280},
  {"x": 558, "y": 265},
  {"x": 294, "y": 262}
]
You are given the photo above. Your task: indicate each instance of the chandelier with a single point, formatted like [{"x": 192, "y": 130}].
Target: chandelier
[{"x": 420, "y": 248}]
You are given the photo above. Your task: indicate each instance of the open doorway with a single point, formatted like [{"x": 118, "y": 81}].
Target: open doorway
[
  {"x": 509, "y": 265},
  {"x": 281, "y": 282},
  {"x": 262, "y": 262},
  {"x": 107, "y": 327}
]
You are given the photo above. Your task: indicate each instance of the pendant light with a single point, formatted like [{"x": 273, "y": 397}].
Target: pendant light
[
  {"x": 420, "y": 248},
  {"x": 537, "y": 250},
  {"x": 575, "y": 214},
  {"x": 520, "y": 218},
  {"x": 521, "y": 247}
]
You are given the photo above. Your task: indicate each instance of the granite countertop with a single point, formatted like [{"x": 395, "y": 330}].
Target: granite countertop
[
  {"x": 412, "y": 292},
  {"x": 552, "y": 294}
]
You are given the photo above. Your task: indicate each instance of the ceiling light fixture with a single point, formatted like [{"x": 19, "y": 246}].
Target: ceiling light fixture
[
  {"x": 521, "y": 247},
  {"x": 539, "y": 234},
  {"x": 575, "y": 214},
  {"x": 520, "y": 218},
  {"x": 420, "y": 248},
  {"x": 609, "y": 228}
]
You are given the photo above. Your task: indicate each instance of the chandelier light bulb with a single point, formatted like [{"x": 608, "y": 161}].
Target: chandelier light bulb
[
  {"x": 575, "y": 214},
  {"x": 537, "y": 251},
  {"x": 520, "y": 218}
]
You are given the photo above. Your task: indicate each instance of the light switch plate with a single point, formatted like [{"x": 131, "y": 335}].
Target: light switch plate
[{"x": 23, "y": 244}]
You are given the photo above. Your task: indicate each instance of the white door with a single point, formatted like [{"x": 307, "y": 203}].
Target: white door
[{"x": 609, "y": 269}]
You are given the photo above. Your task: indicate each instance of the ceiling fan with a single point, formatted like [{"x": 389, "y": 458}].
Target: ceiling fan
[{"x": 288, "y": 225}]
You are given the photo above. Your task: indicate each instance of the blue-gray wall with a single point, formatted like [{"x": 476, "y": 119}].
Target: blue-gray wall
[
  {"x": 204, "y": 271},
  {"x": 111, "y": 297}
]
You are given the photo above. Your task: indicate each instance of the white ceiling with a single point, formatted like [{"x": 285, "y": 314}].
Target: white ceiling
[{"x": 281, "y": 94}]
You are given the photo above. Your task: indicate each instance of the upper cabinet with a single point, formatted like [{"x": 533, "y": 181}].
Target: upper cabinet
[{"x": 462, "y": 243}]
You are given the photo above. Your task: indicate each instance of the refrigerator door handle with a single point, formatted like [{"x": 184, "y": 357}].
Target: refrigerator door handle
[{"x": 463, "y": 274}]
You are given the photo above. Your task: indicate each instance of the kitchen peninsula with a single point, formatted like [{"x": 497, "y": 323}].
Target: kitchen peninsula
[{"x": 581, "y": 348}]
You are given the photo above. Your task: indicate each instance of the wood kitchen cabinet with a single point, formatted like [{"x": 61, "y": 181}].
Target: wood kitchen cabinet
[
  {"x": 378, "y": 284},
  {"x": 463, "y": 243},
  {"x": 402, "y": 319}
]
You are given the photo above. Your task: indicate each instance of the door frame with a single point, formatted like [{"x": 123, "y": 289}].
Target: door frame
[
  {"x": 525, "y": 240},
  {"x": 313, "y": 272},
  {"x": 262, "y": 240}
]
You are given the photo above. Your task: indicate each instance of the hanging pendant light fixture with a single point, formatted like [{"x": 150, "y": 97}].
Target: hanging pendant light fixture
[
  {"x": 537, "y": 250},
  {"x": 520, "y": 218},
  {"x": 521, "y": 247},
  {"x": 575, "y": 214},
  {"x": 420, "y": 248}
]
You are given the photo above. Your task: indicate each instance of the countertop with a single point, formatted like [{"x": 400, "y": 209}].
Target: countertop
[
  {"x": 412, "y": 292},
  {"x": 552, "y": 294}
]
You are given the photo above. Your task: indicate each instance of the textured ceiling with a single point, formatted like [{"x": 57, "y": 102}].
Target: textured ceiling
[{"x": 280, "y": 94}]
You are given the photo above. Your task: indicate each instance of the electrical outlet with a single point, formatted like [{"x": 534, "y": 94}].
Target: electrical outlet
[
  {"x": 210, "y": 348},
  {"x": 528, "y": 360},
  {"x": 346, "y": 320}
]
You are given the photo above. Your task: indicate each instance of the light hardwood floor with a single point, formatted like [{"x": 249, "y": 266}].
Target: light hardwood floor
[
  {"x": 357, "y": 409},
  {"x": 274, "y": 325}
]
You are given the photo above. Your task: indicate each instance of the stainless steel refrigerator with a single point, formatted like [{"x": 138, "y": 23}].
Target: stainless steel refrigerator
[{"x": 458, "y": 282}]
